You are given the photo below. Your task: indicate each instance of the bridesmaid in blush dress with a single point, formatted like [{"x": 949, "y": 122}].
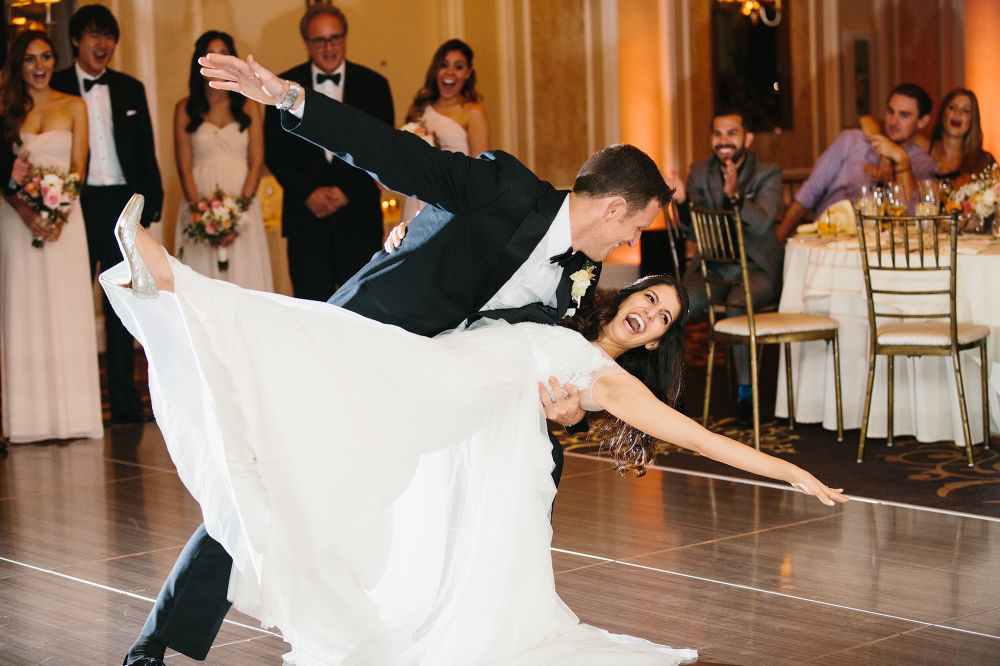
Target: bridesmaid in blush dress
[
  {"x": 219, "y": 143},
  {"x": 48, "y": 342},
  {"x": 448, "y": 105}
]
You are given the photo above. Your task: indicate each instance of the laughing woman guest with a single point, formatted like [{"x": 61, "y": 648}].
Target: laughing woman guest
[
  {"x": 48, "y": 356},
  {"x": 219, "y": 143},
  {"x": 448, "y": 105},
  {"x": 957, "y": 138}
]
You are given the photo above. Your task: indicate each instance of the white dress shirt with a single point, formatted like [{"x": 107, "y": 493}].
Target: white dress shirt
[
  {"x": 537, "y": 279},
  {"x": 104, "y": 168},
  {"x": 330, "y": 89}
]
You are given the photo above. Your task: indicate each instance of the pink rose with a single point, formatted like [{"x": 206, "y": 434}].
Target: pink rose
[
  {"x": 202, "y": 206},
  {"x": 210, "y": 228},
  {"x": 52, "y": 198}
]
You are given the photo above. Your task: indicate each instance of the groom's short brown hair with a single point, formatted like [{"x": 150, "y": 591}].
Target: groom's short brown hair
[{"x": 625, "y": 171}]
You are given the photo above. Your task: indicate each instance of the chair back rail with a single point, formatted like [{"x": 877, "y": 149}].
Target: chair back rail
[
  {"x": 719, "y": 236},
  {"x": 673, "y": 222},
  {"x": 894, "y": 245}
]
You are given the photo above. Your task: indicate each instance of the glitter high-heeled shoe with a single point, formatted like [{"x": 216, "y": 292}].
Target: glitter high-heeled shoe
[{"x": 142, "y": 284}]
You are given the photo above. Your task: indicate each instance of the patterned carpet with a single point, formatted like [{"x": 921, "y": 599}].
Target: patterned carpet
[{"x": 926, "y": 474}]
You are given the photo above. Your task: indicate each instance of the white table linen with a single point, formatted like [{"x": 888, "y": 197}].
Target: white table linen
[{"x": 824, "y": 277}]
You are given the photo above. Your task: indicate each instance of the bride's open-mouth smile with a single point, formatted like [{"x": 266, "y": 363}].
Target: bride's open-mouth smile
[{"x": 634, "y": 324}]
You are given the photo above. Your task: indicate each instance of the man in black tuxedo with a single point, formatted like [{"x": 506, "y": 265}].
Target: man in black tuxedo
[
  {"x": 331, "y": 214},
  {"x": 122, "y": 163},
  {"x": 495, "y": 241}
]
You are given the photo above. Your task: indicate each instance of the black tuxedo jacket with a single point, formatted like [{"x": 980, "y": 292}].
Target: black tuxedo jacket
[
  {"x": 133, "y": 133},
  {"x": 301, "y": 167},
  {"x": 483, "y": 219}
]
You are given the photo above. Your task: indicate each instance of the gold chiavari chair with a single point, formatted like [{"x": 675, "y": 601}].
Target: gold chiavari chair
[
  {"x": 719, "y": 235},
  {"x": 911, "y": 248}
]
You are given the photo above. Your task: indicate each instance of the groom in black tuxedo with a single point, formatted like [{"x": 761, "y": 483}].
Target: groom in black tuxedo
[
  {"x": 122, "y": 163},
  {"x": 331, "y": 214},
  {"x": 494, "y": 241}
]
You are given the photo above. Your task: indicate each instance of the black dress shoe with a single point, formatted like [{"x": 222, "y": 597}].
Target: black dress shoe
[
  {"x": 143, "y": 661},
  {"x": 744, "y": 411}
]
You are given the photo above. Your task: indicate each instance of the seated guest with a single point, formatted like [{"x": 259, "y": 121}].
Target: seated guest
[
  {"x": 731, "y": 178},
  {"x": 957, "y": 138},
  {"x": 852, "y": 159}
]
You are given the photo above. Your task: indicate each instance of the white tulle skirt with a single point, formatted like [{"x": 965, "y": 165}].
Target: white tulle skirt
[{"x": 384, "y": 496}]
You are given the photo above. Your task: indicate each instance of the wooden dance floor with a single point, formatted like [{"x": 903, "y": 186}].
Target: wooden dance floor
[{"x": 746, "y": 574}]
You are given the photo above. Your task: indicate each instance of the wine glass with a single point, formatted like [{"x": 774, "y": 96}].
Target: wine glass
[{"x": 895, "y": 203}]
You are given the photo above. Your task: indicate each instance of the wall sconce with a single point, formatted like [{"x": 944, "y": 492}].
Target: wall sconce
[
  {"x": 26, "y": 5},
  {"x": 754, "y": 9}
]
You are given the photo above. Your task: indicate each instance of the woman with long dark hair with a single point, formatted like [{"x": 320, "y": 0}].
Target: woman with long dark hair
[
  {"x": 219, "y": 145},
  {"x": 50, "y": 379},
  {"x": 384, "y": 495},
  {"x": 957, "y": 138},
  {"x": 447, "y": 107}
]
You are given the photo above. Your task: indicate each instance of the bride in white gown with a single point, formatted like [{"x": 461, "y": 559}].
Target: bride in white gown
[
  {"x": 48, "y": 341},
  {"x": 385, "y": 496}
]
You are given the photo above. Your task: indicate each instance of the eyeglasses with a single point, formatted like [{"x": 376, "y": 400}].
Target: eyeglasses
[{"x": 323, "y": 41}]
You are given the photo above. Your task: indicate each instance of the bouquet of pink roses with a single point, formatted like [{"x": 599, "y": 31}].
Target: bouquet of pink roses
[
  {"x": 216, "y": 220},
  {"x": 51, "y": 193},
  {"x": 420, "y": 128}
]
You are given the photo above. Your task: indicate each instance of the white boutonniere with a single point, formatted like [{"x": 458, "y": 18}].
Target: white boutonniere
[{"x": 581, "y": 281}]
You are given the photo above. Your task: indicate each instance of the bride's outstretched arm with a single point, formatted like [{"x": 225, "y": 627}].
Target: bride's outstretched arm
[{"x": 627, "y": 398}]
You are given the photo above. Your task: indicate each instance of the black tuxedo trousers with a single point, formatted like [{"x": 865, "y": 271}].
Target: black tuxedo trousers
[{"x": 101, "y": 207}]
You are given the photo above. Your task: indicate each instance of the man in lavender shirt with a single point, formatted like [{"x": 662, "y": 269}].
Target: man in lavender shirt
[{"x": 852, "y": 160}]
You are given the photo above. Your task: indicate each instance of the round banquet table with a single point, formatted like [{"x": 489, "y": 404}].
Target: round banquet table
[{"x": 823, "y": 276}]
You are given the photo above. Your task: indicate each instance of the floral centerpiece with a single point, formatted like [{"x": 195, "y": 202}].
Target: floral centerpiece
[
  {"x": 977, "y": 199},
  {"x": 420, "y": 128},
  {"x": 51, "y": 193},
  {"x": 215, "y": 220}
]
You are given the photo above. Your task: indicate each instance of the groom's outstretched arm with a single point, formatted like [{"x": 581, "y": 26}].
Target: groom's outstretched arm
[{"x": 400, "y": 161}]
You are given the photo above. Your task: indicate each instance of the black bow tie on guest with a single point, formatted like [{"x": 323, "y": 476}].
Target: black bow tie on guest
[
  {"x": 101, "y": 80},
  {"x": 564, "y": 258},
  {"x": 335, "y": 77}
]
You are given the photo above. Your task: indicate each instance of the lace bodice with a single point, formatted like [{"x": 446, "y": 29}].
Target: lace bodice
[{"x": 566, "y": 355}]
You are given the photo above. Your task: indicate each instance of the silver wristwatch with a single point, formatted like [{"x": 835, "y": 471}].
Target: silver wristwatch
[{"x": 293, "y": 94}]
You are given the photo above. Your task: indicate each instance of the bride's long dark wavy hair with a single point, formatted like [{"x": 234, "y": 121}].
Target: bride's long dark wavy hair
[
  {"x": 197, "y": 103},
  {"x": 659, "y": 369},
  {"x": 13, "y": 91}
]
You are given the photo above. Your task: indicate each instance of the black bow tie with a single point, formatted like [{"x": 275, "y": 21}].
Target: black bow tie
[
  {"x": 101, "y": 80},
  {"x": 335, "y": 77},
  {"x": 564, "y": 258}
]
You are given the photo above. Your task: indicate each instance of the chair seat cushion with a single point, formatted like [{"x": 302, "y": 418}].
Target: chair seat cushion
[
  {"x": 929, "y": 334},
  {"x": 776, "y": 323}
]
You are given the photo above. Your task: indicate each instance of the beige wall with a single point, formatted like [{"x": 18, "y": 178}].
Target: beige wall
[
  {"x": 394, "y": 38},
  {"x": 913, "y": 40},
  {"x": 982, "y": 55}
]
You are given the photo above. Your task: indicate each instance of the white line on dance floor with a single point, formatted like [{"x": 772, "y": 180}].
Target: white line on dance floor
[
  {"x": 782, "y": 486},
  {"x": 558, "y": 550},
  {"x": 117, "y": 591},
  {"x": 772, "y": 592}
]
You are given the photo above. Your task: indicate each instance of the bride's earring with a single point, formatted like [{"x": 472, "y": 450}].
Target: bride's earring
[{"x": 143, "y": 285}]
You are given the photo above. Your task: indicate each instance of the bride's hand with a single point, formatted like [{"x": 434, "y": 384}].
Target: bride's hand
[
  {"x": 246, "y": 77},
  {"x": 395, "y": 237},
  {"x": 810, "y": 485}
]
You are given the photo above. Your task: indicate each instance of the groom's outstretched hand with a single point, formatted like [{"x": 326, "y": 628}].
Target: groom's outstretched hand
[{"x": 246, "y": 77}]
